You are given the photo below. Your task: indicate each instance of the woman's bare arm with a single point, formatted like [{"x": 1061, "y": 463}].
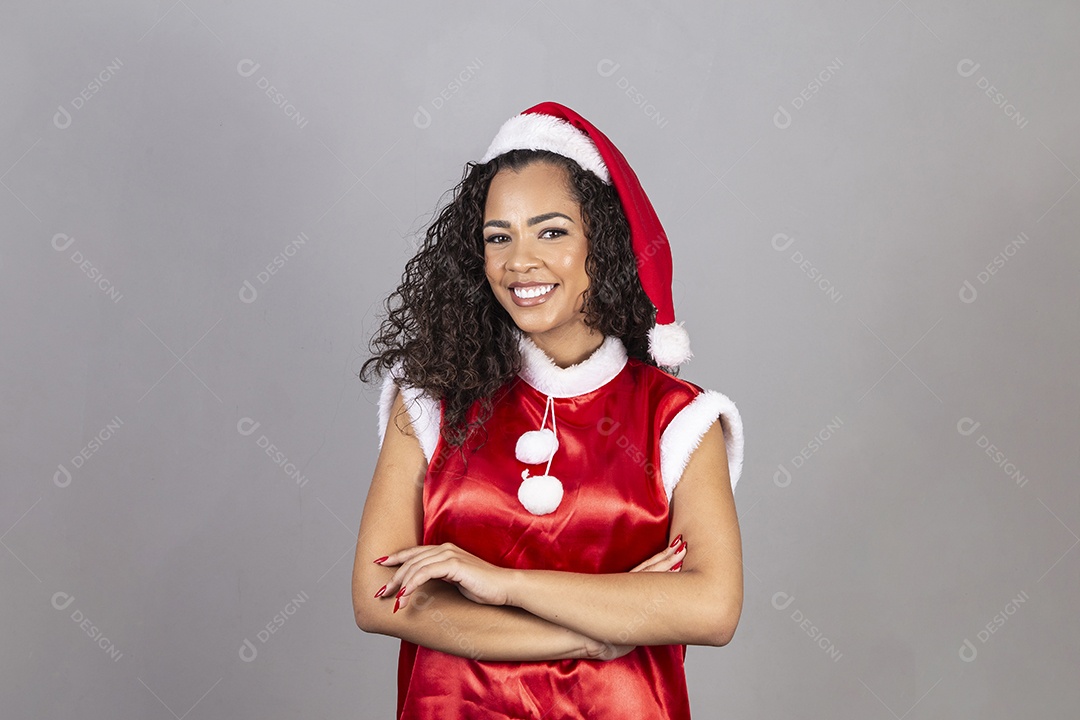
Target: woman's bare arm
[
  {"x": 439, "y": 617},
  {"x": 700, "y": 605}
]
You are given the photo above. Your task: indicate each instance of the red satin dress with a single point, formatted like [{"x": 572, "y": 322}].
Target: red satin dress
[{"x": 621, "y": 424}]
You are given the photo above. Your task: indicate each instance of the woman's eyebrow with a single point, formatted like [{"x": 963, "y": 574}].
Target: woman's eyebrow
[{"x": 532, "y": 221}]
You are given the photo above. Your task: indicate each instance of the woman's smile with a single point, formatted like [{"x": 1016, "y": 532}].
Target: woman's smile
[{"x": 529, "y": 295}]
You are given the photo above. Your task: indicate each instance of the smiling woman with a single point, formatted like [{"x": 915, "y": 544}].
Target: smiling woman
[
  {"x": 542, "y": 470},
  {"x": 536, "y": 264}
]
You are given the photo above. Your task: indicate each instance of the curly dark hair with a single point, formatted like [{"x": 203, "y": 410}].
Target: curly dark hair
[{"x": 449, "y": 331}]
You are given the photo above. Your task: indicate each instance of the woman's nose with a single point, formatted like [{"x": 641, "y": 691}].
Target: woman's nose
[{"x": 522, "y": 255}]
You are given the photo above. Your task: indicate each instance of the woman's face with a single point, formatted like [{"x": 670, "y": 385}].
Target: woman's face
[{"x": 533, "y": 237}]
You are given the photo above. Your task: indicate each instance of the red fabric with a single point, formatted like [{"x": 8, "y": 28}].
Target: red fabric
[
  {"x": 647, "y": 235},
  {"x": 614, "y": 514}
]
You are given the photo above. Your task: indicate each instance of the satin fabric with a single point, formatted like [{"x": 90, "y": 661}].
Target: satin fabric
[{"x": 613, "y": 515}]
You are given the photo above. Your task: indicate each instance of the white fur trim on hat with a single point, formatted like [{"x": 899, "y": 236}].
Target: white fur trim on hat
[
  {"x": 425, "y": 412},
  {"x": 683, "y": 435},
  {"x": 669, "y": 344},
  {"x": 535, "y": 131}
]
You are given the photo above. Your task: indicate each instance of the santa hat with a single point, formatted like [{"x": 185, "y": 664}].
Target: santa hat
[{"x": 555, "y": 127}]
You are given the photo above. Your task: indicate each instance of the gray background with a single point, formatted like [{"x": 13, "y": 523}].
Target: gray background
[{"x": 835, "y": 181}]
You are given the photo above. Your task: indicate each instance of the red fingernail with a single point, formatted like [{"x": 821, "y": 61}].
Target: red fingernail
[
  {"x": 677, "y": 565},
  {"x": 681, "y": 547},
  {"x": 381, "y": 591},
  {"x": 676, "y": 541},
  {"x": 381, "y": 560},
  {"x": 400, "y": 592},
  {"x": 397, "y": 604}
]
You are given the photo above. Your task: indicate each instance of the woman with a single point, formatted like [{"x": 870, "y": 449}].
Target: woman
[{"x": 535, "y": 498}]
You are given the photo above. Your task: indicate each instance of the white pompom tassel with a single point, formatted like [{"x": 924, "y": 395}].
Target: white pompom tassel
[
  {"x": 536, "y": 446},
  {"x": 669, "y": 345},
  {"x": 540, "y": 494}
]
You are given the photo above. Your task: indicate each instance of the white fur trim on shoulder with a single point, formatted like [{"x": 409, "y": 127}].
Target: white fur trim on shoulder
[
  {"x": 425, "y": 412},
  {"x": 683, "y": 434},
  {"x": 536, "y": 131}
]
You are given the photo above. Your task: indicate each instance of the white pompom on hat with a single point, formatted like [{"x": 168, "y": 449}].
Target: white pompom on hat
[{"x": 557, "y": 128}]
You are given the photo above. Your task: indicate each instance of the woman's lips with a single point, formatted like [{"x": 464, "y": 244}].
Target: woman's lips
[{"x": 529, "y": 302}]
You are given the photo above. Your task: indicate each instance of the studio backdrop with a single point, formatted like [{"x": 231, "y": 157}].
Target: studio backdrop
[{"x": 873, "y": 212}]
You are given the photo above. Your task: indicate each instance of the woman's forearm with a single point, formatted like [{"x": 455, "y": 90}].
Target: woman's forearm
[
  {"x": 640, "y": 608},
  {"x": 441, "y": 618}
]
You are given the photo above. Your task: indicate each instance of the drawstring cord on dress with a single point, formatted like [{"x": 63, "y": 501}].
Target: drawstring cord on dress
[
  {"x": 540, "y": 494},
  {"x": 550, "y": 403}
]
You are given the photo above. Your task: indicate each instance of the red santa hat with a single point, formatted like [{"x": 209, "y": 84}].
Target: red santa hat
[{"x": 555, "y": 127}]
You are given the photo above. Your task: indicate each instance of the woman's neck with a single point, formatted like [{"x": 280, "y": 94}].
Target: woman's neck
[{"x": 568, "y": 348}]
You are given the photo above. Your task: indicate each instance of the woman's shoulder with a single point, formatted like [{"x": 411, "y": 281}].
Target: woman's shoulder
[{"x": 660, "y": 383}]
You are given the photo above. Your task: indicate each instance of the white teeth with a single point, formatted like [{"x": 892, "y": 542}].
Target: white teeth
[{"x": 531, "y": 292}]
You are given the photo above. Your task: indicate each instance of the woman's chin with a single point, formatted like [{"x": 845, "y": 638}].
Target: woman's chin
[
  {"x": 541, "y": 327},
  {"x": 532, "y": 327},
  {"x": 531, "y": 321},
  {"x": 542, "y": 318}
]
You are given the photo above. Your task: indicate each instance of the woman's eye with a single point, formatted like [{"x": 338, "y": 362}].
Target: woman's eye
[
  {"x": 493, "y": 238},
  {"x": 557, "y": 231}
]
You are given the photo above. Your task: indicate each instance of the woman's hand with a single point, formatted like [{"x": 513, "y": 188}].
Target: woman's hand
[
  {"x": 476, "y": 579},
  {"x": 596, "y": 650},
  {"x": 669, "y": 559}
]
